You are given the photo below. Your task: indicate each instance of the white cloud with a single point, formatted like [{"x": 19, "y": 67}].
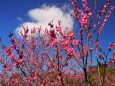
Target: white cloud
[{"x": 42, "y": 16}]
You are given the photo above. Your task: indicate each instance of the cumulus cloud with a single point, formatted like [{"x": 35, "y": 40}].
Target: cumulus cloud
[{"x": 42, "y": 16}]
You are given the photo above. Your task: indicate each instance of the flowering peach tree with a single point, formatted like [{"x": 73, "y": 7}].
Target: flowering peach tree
[{"x": 57, "y": 57}]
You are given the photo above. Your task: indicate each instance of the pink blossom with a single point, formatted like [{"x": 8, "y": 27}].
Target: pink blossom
[
  {"x": 75, "y": 42},
  {"x": 66, "y": 64},
  {"x": 87, "y": 9},
  {"x": 84, "y": 3},
  {"x": 90, "y": 13},
  {"x": 71, "y": 35},
  {"x": 76, "y": 9},
  {"x": 64, "y": 43},
  {"x": 19, "y": 61},
  {"x": 99, "y": 32},
  {"x": 58, "y": 29},
  {"x": 42, "y": 85},
  {"x": 64, "y": 35},
  {"x": 95, "y": 25},
  {"x": 52, "y": 34},
  {"x": 7, "y": 50},
  {"x": 13, "y": 72},
  {"x": 53, "y": 43},
  {"x": 105, "y": 20},
  {"x": 6, "y": 66},
  {"x": 12, "y": 46},
  {"x": 100, "y": 56},
  {"x": 59, "y": 77},
  {"x": 84, "y": 19},
  {"x": 50, "y": 64},
  {"x": 33, "y": 44},
  {"x": 70, "y": 51},
  {"x": 111, "y": 46},
  {"x": 14, "y": 41},
  {"x": 105, "y": 6},
  {"x": 96, "y": 43}
]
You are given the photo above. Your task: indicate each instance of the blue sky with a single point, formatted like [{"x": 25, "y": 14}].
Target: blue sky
[{"x": 12, "y": 10}]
